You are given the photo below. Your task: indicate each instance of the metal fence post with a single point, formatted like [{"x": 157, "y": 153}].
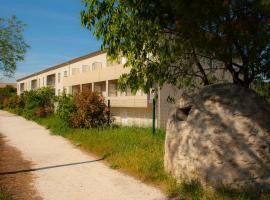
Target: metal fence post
[
  {"x": 109, "y": 111},
  {"x": 154, "y": 117}
]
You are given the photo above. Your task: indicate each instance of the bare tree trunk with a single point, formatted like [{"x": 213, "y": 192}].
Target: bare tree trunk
[{"x": 236, "y": 76}]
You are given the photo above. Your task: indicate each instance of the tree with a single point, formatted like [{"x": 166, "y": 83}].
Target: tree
[
  {"x": 12, "y": 45},
  {"x": 183, "y": 42}
]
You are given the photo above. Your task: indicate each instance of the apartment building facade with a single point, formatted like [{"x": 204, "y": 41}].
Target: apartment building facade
[{"x": 95, "y": 72}]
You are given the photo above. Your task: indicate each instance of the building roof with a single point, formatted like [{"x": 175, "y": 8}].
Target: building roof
[{"x": 90, "y": 55}]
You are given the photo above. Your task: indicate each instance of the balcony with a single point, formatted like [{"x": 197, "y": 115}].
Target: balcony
[
  {"x": 100, "y": 88},
  {"x": 51, "y": 80},
  {"x": 97, "y": 75},
  {"x": 22, "y": 87},
  {"x": 128, "y": 101},
  {"x": 34, "y": 84},
  {"x": 102, "y": 79},
  {"x": 87, "y": 87},
  {"x": 75, "y": 89}
]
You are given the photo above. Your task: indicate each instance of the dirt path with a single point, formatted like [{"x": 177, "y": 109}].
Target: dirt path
[
  {"x": 18, "y": 185},
  {"x": 62, "y": 172}
]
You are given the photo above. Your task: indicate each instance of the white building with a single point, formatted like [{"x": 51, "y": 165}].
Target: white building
[{"x": 94, "y": 72}]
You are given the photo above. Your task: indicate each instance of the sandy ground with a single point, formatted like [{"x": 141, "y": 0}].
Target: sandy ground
[
  {"x": 59, "y": 171},
  {"x": 18, "y": 185}
]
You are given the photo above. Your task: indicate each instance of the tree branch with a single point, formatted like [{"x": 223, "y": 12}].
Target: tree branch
[{"x": 200, "y": 67}]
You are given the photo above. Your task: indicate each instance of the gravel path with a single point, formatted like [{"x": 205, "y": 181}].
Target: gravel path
[{"x": 63, "y": 172}]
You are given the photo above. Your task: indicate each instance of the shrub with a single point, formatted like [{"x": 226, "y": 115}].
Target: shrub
[
  {"x": 38, "y": 98},
  {"x": 66, "y": 107},
  {"x": 40, "y": 112},
  {"x": 5, "y": 94},
  {"x": 91, "y": 111},
  {"x": 13, "y": 102},
  {"x": 38, "y": 102}
]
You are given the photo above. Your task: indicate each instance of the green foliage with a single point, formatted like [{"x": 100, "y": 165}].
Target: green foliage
[
  {"x": 84, "y": 110},
  {"x": 263, "y": 89},
  {"x": 34, "y": 103},
  {"x": 41, "y": 97},
  {"x": 5, "y": 94},
  {"x": 181, "y": 42},
  {"x": 13, "y": 102},
  {"x": 66, "y": 107},
  {"x": 91, "y": 111},
  {"x": 38, "y": 102},
  {"x": 12, "y": 45},
  {"x": 57, "y": 125}
]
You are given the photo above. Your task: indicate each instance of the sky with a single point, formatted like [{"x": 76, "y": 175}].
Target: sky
[{"x": 53, "y": 31}]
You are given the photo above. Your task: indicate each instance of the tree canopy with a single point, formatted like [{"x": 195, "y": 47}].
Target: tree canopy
[
  {"x": 184, "y": 42},
  {"x": 12, "y": 45}
]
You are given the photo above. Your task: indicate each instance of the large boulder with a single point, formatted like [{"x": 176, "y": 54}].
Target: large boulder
[{"x": 220, "y": 137}]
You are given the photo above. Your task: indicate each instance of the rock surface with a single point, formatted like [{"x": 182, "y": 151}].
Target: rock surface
[{"x": 220, "y": 137}]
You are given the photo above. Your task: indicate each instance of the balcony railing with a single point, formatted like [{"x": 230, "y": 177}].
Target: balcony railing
[
  {"x": 128, "y": 101},
  {"x": 98, "y": 75}
]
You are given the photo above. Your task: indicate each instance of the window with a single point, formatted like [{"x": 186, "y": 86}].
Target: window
[
  {"x": 43, "y": 81},
  {"x": 85, "y": 68},
  {"x": 75, "y": 71},
  {"x": 65, "y": 73},
  {"x": 59, "y": 77},
  {"x": 96, "y": 66},
  {"x": 21, "y": 87}
]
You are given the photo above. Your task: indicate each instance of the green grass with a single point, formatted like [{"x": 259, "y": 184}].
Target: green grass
[{"x": 137, "y": 152}]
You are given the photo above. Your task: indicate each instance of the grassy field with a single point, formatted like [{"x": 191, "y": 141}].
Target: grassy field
[{"x": 137, "y": 152}]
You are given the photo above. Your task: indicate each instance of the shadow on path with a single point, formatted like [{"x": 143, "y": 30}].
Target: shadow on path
[
  {"x": 18, "y": 186},
  {"x": 48, "y": 167}
]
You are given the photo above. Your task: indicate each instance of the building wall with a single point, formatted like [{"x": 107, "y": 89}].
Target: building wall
[
  {"x": 164, "y": 106},
  {"x": 100, "y": 74},
  {"x": 42, "y": 80},
  {"x": 132, "y": 116}
]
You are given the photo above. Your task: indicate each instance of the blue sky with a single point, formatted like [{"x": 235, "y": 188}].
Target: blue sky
[{"x": 53, "y": 31}]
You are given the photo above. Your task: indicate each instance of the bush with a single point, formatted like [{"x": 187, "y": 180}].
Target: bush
[
  {"x": 40, "y": 111},
  {"x": 13, "y": 102},
  {"x": 38, "y": 102},
  {"x": 84, "y": 110},
  {"x": 5, "y": 94},
  {"x": 91, "y": 111},
  {"x": 66, "y": 107}
]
